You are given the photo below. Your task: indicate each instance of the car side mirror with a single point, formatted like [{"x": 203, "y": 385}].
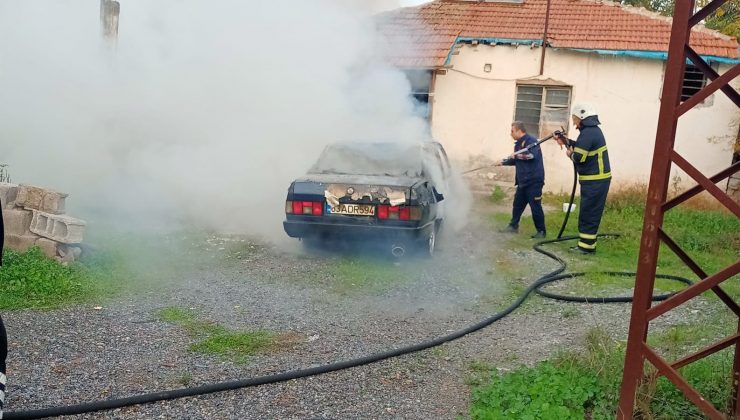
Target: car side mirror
[{"x": 437, "y": 195}]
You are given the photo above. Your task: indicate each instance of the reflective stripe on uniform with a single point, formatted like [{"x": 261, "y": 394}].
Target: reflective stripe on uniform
[
  {"x": 599, "y": 153},
  {"x": 595, "y": 177},
  {"x": 582, "y": 152},
  {"x": 585, "y": 245},
  {"x": 586, "y": 236},
  {"x": 538, "y": 198}
]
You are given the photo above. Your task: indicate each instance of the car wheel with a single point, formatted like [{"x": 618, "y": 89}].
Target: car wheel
[{"x": 431, "y": 243}]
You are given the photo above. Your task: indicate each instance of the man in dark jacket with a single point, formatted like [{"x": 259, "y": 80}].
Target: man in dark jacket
[
  {"x": 530, "y": 177},
  {"x": 591, "y": 158}
]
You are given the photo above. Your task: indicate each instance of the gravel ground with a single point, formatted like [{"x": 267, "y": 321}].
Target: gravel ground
[{"x": 119, "y": 348}]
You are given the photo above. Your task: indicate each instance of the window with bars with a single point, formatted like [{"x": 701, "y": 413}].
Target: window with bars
[
  {"x": 694, "y": 80},
  {"x": 542, "y": 109}
]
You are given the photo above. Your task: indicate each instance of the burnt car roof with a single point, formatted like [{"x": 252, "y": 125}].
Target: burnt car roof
[{"x": 393, "y": 159}]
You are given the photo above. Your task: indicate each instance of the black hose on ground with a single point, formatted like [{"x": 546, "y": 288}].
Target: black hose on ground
[
  {"x": 550, "y": 277},
  {"x": 536, "y": 286},
  {"x": 570, "y": 202}
]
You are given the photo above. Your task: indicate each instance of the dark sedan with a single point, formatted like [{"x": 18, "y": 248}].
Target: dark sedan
[{"x": 387, "y": 192}]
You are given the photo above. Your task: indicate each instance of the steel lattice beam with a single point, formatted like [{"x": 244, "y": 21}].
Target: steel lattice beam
[{"x": 671, "y": 109}]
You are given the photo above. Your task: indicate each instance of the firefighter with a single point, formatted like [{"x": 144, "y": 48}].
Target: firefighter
[
  {"x": 529, "y": 180},
  {"x": 591, "y": 158}
]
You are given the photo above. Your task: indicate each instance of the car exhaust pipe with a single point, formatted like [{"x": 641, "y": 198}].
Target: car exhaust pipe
[{"x": 398, "y": 251}]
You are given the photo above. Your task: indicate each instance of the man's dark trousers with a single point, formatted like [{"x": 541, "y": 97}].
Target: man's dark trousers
[
  {"x": 593, "y": 199},
  {"x": 529, "y": 194}
]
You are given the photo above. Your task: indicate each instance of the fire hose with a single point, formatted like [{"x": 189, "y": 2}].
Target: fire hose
[
  {"x": 536, "y": 286},
  {"x": 556, "y": 133}
]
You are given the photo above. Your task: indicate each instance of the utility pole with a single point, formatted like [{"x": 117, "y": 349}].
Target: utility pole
[{"x": 109, "y": 12}]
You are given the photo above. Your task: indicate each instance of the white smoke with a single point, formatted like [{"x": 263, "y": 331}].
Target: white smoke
[{"x": 202, "y": 110}]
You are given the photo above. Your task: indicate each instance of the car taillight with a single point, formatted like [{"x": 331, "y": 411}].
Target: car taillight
[
  {"x": 404, "y": 213},
  {"x": 314, "y": 208},
  {"x": 399, "y": 212},
  {"x": 382, "y": 212}
]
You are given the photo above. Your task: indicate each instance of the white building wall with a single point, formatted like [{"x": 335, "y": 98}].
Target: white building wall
[{"x": 473, "y": 110}]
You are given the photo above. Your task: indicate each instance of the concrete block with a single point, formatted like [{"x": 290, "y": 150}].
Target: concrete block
[
  {"x": 37, "y": 198},
  {"x": 54, "y": 203},
  {"x": 30, "y": 197},
  {"x": 69, "y": 253},
  {"x": 17, "y": 221},
  {"x": 60, "y": 228},
  {"x": 48, "y": 247},
  {"x": 8, "y": 193},
  {"x": 20, "y": 242}
]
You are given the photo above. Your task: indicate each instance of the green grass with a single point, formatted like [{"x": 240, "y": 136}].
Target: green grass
[
  {"x": 711, "y": 237},
  {"x": 217, "y": 340},
  {"x": 497, "y": 195},
  {"x": 354, "y": 274},
  {"x": 579, "y": 383},
  {"x": 32, "y": 280},
  {"x": 116, "y": 262},
  {"x": 232, "y": 345},
  {"x": 177, "y": 315}
]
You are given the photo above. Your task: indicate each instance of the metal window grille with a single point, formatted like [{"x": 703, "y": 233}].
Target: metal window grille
[
  {"x": 693, "y": 80},
  {"x": 542, "y": 109}
]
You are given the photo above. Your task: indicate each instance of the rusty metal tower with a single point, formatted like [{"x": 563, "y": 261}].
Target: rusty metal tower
[{"x": 671, "y": 109}]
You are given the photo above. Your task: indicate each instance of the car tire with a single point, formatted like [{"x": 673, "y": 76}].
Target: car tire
[{"x": 429, "y": 244}]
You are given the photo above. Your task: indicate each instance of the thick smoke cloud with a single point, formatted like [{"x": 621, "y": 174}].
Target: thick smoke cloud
[{"x": 201, "y": 111}]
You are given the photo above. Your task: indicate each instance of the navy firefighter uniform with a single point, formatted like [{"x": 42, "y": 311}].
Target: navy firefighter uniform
[
  {"x": 591, "y": 158},
  {"x": 529, "y": 180}
]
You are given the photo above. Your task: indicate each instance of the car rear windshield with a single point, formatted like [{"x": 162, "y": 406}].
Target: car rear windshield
[{"x": 388, "y": 159}]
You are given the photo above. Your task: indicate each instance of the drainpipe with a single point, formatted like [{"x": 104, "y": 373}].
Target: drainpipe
[{"x": 544, "y": 38}]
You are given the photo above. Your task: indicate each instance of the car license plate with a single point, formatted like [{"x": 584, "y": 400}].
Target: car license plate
[{"x": 352, "y": 209}]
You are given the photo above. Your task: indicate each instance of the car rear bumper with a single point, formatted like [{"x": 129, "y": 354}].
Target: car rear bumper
[{"x": 303, "y": 229}]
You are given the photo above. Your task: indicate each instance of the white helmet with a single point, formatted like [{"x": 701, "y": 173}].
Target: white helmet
[{"x": 584, "y": 110}]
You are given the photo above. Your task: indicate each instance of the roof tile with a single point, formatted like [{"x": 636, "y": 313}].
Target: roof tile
[{"x": 423, "y": 35}]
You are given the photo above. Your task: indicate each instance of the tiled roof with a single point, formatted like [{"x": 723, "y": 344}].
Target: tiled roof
[{"x": 422, "y": 36}]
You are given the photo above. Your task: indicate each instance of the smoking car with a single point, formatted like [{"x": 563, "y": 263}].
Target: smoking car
[{"x": 368, "y": 191}]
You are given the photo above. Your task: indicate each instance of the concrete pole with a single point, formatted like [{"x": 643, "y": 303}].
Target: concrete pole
[{"x": 109, "y": 12}]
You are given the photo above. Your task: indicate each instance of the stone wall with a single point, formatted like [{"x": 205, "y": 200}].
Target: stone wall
[{"x": 34, "y": 216}]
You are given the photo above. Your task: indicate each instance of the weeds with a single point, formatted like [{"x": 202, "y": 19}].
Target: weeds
[
  {"x": 586, "y": 384},
  {"x": 32, "y": 280},
  {"x": 497, "y": 195},
  {"x": 375, "y": 274},
  {"x": 216, "y": 339},
  {"x": 177, "y": 315},
  {"x": 710, "y": 235},
  {"x": 185, "y": 378},
  {"x": 4, "y": 173},
  {"x": 570, "y": 312},
  {"x": 543, "y": 391}
]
